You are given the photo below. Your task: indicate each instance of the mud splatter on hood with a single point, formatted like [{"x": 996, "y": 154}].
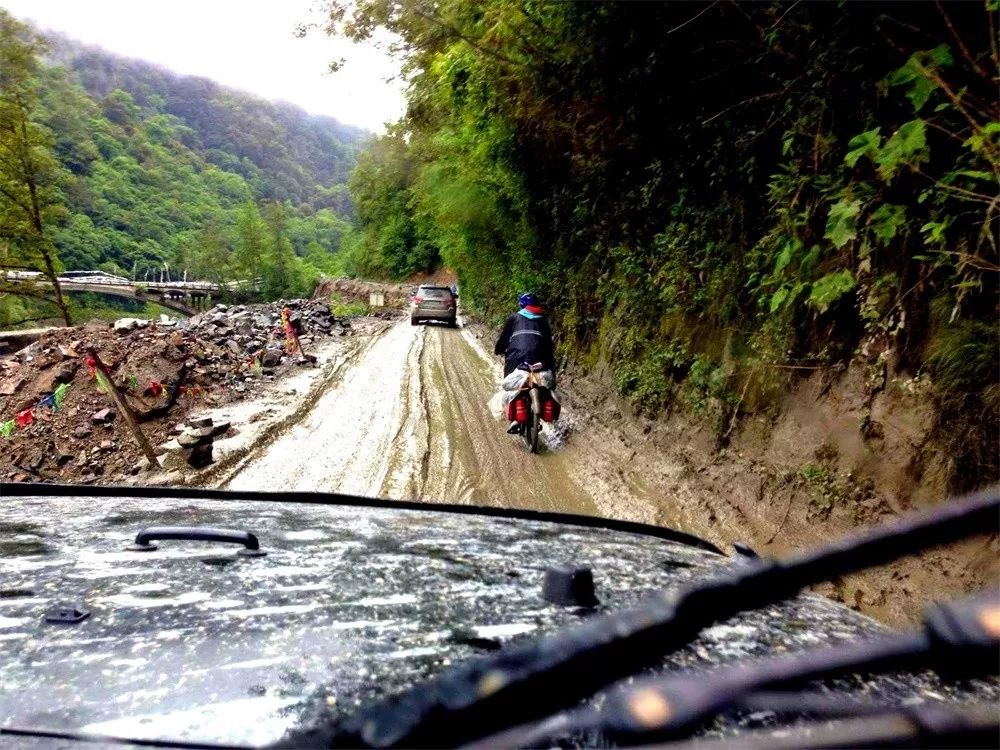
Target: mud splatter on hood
[{"x": 350, "y": 604}]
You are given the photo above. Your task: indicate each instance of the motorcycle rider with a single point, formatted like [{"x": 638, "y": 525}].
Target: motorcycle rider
[{"x": 526, "y": 339}]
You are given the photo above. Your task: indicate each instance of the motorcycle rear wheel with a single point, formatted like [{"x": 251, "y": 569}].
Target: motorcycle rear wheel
[{"x": 529, "y": 432}]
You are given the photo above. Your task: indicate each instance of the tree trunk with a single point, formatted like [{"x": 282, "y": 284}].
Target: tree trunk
[{"x": 36, "y": 220}]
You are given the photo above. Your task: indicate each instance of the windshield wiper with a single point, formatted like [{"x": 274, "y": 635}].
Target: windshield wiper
[
  {"x": 534, "y": 679},
  {"x": 959, "y": 639},
  {"x": 917, "y": 727}
]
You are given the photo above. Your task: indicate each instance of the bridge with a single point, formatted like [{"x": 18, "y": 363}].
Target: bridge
[{"x": 185, "y": 297}]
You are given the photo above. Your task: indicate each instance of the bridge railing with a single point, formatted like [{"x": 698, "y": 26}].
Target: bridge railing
[{"x": 99, "y": 279}]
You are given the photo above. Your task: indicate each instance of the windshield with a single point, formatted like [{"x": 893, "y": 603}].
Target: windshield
[{"x": 726, "y": 272}]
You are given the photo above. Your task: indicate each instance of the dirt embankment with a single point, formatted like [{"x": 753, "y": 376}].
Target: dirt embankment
[
  {"x": 393, "y": 296},
  {"x": 840, "y": 455}
]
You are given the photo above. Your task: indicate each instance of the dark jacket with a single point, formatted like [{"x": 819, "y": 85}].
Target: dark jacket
[{"x": 525, "y": 339}]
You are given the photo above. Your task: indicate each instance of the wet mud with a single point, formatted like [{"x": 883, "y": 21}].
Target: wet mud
[{"x": 410, "y": 420}]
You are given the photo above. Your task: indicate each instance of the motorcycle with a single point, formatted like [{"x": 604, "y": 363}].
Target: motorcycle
[{"x": 534, "y": 403}]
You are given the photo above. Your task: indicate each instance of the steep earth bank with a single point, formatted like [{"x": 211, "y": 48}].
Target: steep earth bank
[{"x": 839, "y": 455}]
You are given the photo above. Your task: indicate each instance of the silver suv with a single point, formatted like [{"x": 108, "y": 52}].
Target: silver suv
[{"x": 432, "y": 303}]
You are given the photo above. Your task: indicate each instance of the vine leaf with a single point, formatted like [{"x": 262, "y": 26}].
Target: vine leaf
[
  {"x": 842, "y": 224},
  {"x": 830, "y": 288},
  {"x": 886, "y": 221},
  {"x": 863, "y": 144},
  {"x": 906, "y": 147},
  {"x": 915, "y": 74}
]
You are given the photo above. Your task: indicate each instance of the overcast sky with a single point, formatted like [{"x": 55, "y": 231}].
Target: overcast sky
[{"x": 246, "y": 44}]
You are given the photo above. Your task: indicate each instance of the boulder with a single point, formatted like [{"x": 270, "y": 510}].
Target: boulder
[
  {"x": 54, "y": 376},
  {"x": 192, "y": 438},
  {"x": 130, "y": 324},
  {"x": 200, "y": 456},
  {"x": 104, "y": 416},
  {"x": 220, "y": 429}
]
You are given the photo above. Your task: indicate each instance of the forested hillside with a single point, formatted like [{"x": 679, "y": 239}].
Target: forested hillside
[
  {"x": 715, "y": 198},
  {"x": 144, "y": 172}
]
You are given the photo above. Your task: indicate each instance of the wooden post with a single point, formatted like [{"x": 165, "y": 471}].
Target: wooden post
[
  {"x": 124, "y": 408},
  {"x": 290, "y": 334}
]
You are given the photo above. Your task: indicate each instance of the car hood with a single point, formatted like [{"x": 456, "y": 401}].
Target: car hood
[{"x": 351, "y": 604}]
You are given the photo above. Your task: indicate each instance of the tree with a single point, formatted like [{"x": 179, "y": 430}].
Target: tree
[
  {"x": 29, "y": 198},
  {"x": 251, "y": 233},
  {"x": 279, "y": 259}
]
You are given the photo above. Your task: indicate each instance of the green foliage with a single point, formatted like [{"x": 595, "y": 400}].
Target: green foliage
[
  {"x": 905, "y": 147},
  {"x": 963, "y": 354},
  {"x": 146, "y": 174},
  {"x": 916, "y": 76},
  {"x": 29, "y": 172},
  {"x": 830, "y": 288},
  {"x": 863, "y": 144},
  {"x": 886, "y": 221},
  {"x": 762, "y": 186},
  {"x": 344, "y": 309},
  {"x": 841, "y": 226}
]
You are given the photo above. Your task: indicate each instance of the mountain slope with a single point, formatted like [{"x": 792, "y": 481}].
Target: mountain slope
[{"x": 282, "y": 151}]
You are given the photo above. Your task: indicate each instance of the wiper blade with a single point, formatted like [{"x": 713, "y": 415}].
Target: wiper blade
[
  {"x": 911, "y": 727},
  {"x": 959, "y": 639},
  {"x": 540, "y": 677}
]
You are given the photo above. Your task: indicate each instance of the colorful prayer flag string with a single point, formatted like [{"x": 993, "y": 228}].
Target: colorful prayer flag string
[{"x": 59, "y": 395}]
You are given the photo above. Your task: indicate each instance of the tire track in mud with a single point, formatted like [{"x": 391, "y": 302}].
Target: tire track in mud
[
  {"x": 345, "y": 442},
  {"x": 409, "y": 420},
  {"x": 485, "y": 465}
]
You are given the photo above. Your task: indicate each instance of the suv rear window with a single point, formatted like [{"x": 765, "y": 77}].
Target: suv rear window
[{"x": 433, "y": 292}]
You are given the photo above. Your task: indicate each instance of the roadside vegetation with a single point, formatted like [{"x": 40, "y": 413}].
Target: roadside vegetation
[
  {"x": 715, "y": 198},
  {"x": 145, "y": 174}
]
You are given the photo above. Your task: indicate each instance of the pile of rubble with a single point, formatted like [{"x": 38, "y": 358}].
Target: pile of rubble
[{"x": 57, "y": 425}]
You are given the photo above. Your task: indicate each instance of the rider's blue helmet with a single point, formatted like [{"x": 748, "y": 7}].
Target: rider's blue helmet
[{"x": 526, "y": 299}]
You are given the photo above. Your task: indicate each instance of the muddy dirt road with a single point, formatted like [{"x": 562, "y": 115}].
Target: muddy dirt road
[{"x": 409, "y": 420}]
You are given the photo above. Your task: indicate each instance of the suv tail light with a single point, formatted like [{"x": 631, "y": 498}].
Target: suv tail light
[{"x": 417, "y": 300}]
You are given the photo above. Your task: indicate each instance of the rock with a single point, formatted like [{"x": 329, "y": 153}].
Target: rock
[
  {"x": 200, "y": 422},
  {"x": 62, "y": 374},
  {"x": 200, "y": 456},
  {"x": 171, "y": 446},
  {"x": 104, "y": 416},
  {"x": 220, "y": 429},
  {"x": 192, "y": 438},
  {"x": 107, "y": 445},
  {"x": 234, "y": 347},
  {"x": 130, "y": 324},
  {"x": 11, "y": 387},
  {"x": 271, "y": 358},
  {"x": 144, "y": 465}
]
